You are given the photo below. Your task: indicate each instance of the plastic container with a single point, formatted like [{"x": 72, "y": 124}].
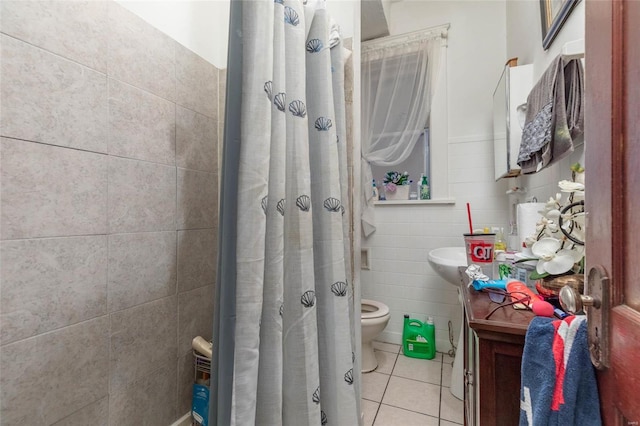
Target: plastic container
[
  {"x": 200, "y": 396},
  {"x": 418, "y": 338},
  {"x": 424, "y": 193},
  {"x": 375, "y": 193},
  {"x": 479, "y": 248}
]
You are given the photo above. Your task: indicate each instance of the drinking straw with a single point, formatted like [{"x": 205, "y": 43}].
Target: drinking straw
[{"x": 469, "y": 217}]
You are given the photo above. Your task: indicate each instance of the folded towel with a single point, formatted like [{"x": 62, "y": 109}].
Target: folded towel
[
  {"x": 555, "y": 115},
  {"x": 558, "y": 380}
]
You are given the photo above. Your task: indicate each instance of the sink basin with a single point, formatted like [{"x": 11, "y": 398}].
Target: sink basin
[{"x": 446, "y": 261}]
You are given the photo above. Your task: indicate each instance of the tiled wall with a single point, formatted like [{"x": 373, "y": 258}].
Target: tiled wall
[
  {"x": 109, "y": 192},
  {"x": 400, "y": 275}
]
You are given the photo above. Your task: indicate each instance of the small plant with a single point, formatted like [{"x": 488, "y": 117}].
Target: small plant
[{"x": 393, "y": 179}]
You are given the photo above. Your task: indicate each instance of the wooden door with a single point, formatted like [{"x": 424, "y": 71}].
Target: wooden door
[{"x": 612, "y": 133}]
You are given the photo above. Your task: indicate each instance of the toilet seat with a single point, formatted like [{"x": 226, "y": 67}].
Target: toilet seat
[{"x": 379, "y": 309}]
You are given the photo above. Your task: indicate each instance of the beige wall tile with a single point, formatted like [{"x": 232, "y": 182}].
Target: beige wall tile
[
  {"x": 51, "y": 191},
  {"x": 185, "y": 382},
  {"x": 142, "y": 338},
  {"x": 46, "y": 98},
  {"x": 197, "y": 258},
  {"x": 36, "y": 21},
  {"x": 148, "y": 400},
  {"x": 46, "y": 378},
  {"x": 140, "y": 54},
  {"x": 196, "y": 83},
  {"x": 142, "y": 268},
  {"x": 50, "y": 283},
  {"x": 141, "y": 125},
  {"x": 195, "y": 316},
  {"x": 197, "y": 200},
  {"x": 196, "y": 141},
  {"x": 94, "y": 414},
  {"x": 142, "y": 196}
]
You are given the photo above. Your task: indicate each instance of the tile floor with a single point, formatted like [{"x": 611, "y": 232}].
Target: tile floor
[{"x": 405, "y": 391}]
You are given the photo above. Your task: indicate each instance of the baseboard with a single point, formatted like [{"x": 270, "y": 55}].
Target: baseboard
[{"x": 390, "y": 337}]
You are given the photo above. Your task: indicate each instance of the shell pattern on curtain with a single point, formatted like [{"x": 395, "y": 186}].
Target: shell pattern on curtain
[{"x": 294, "y": 351}]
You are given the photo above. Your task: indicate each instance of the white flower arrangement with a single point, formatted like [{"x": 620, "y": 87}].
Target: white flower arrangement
[{"x": 557, "y": 247}]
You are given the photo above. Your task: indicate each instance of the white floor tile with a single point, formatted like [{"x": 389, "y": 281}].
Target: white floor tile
[
  {"x": 446, "y": 373},
  {"x": 369, "y": 409},
  {"x": 424, "y": 370},
  {"x": 386, "y": 361},
  {"x": 392, "y": 416},
  {"x": 447, "y": 423},
  {"x": 451, "y": 408},
  {"x": 387, "y": 347},
  {"x": 374, "y": 385},
  {"x": 413, "y": 395}
]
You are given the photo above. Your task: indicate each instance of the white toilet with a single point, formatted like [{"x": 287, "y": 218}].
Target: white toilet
[{"x": 374, "y": 318}]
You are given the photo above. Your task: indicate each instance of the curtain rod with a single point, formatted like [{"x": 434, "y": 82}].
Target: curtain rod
[{"x": 440, "y": 31}]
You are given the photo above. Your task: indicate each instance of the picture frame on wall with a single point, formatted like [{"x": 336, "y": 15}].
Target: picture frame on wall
[{"x": 553, "y": 14}]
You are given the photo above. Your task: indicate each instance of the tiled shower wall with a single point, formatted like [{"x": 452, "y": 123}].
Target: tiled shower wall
[{"x": 109, "y": 162}]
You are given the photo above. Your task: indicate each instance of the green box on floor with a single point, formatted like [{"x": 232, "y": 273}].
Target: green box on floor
[{"x": 418, "y": 338}]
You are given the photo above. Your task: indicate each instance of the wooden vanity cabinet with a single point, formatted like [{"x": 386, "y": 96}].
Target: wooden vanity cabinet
[{"x": 492, "y": 358}]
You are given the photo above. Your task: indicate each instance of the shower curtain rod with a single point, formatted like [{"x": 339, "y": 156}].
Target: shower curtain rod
[{"x": 440, "y": 31}]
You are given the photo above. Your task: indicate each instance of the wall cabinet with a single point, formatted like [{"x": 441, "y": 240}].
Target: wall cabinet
[
  {"x": 509, "y": 110},
  {"x": 492, "y": 358}
]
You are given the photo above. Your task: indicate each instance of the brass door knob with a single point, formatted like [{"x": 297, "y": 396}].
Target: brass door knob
[{"x": 574, "y": 302}]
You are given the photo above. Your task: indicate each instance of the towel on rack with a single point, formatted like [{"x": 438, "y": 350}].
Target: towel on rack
[
  {"x": 555, "y": 115},
  {"x": 558, "y": 380}
]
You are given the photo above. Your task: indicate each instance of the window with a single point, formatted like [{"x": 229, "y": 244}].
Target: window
[{"x": 418, "y": 162}]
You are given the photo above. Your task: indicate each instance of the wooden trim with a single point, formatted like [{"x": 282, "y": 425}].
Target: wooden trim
[{"x": 618, "y": 152}]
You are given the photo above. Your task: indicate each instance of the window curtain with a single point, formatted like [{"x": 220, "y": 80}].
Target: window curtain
[
  {"x": 399, "y": 75},
  {"x": 284, "y": 318}
]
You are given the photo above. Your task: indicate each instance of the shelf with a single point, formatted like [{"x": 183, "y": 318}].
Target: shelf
[{"x": 442, "y": 201}]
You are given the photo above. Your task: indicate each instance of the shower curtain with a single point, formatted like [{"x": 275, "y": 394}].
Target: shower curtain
[{"x": 283, "y": 332}]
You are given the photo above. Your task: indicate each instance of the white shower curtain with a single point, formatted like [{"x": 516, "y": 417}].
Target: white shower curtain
[{"x": 293, "y": 361}]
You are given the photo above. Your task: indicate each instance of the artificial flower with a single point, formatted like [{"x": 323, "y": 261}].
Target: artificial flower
[
  {"x": 557, "y": 246},
  {"x": 552, "y": 258},
  {"x": 570, "y": 186}
]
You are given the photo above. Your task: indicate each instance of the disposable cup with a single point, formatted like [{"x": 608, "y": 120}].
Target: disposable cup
[{"x": 479, "y": 249}]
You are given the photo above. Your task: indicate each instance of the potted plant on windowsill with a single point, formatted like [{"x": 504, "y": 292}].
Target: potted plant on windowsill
[{"x": 396, "y": 185}]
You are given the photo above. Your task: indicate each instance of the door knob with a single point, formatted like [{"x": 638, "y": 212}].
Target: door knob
[
  {"x": 574, "y": 302},
  {"x": 596, "y": 302}
]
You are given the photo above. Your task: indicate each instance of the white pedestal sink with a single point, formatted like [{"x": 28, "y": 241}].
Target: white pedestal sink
[{"x": 446, "y": 261}]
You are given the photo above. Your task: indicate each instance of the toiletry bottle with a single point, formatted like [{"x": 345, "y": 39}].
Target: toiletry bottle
[
  {"x": 500, "y": 244},
  {"x": 431, "y": 338},
  {"x": 375, "y": 191},
  {"x": 424, "y": 188}
]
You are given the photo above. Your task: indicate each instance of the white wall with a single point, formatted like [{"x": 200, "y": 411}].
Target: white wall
[
  {"x": 200, "y": 25},
  {"x": 400, "y": 275},
  {"x": 346, "y": 13}
]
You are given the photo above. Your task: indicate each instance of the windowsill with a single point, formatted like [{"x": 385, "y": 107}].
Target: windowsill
[{"x": 440, "y": 201}]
